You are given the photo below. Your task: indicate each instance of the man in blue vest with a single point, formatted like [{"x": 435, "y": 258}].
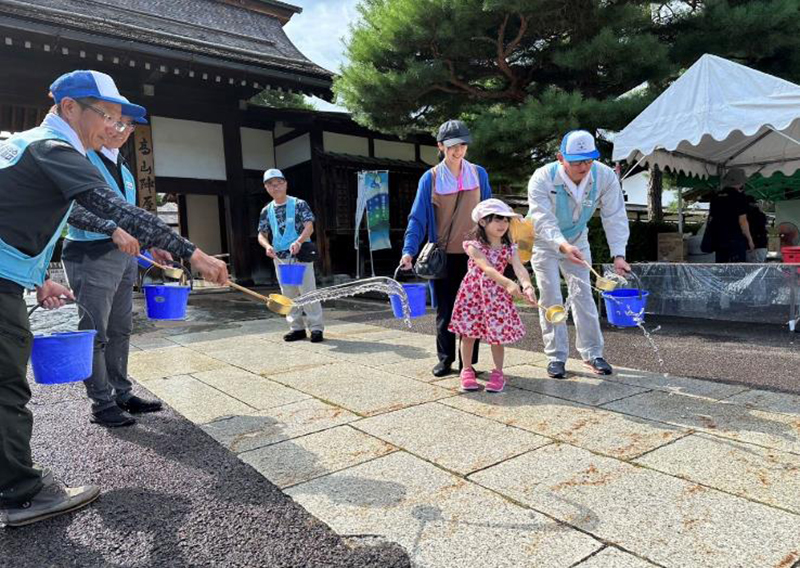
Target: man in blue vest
[
  {"x": 102, "y": 272},
  {"x": 43, "y": 173},
  {"x": 562, "y": 198},
  {"x": 284, "y": 225}
]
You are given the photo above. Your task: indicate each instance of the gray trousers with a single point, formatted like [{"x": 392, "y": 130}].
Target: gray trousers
[
  {"x": 104, "y": 288},
  {"x": 589, "y": 338},
  {"x": 309, "y": 316}
]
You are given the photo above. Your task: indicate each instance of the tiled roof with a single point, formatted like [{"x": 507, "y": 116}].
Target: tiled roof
[{"x": 208, "y": 27}]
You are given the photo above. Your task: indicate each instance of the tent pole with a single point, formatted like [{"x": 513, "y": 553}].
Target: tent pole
[
  {"x": 680, "y": 210},
  {"x": 779, "y": 133},
  {"x": 636, "y": 165}
]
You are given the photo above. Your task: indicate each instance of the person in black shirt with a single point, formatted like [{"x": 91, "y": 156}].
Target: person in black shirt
[
  {"x": 727, "y": 218},
  {"x": 757, "y": 222},
  {"x": 43, "y": 173}
]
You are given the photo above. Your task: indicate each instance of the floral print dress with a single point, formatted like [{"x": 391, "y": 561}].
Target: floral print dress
[{"x": 483, "y": 308}]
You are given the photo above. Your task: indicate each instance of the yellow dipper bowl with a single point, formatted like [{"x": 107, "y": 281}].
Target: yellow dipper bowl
[
  {"x": 555, "y": 314},
  {"x": 280, "y": 304}
]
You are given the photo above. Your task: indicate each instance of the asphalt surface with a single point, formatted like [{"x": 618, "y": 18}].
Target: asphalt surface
[
  {"x": 757, "y": 355},
  {"x": 172, "y": 497}
]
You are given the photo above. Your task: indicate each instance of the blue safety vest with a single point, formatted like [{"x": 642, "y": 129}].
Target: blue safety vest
[
  {"x": 129, "y": 194},
  {"x": 282, "y": 241},
  {"x": 28, "y": 271},
  {"x": 569, "y": 227}
]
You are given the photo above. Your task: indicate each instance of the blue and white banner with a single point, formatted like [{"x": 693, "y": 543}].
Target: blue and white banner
[{"x": 373, "y": 196}]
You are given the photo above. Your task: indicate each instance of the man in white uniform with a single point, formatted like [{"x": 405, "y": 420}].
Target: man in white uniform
[{"x": 562, "y": 197}]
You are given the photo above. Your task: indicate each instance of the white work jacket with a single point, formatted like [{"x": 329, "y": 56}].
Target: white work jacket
[{"x": 542, "y": 199}]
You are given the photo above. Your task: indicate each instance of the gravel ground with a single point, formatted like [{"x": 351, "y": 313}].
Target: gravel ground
[{"x": 172, "y": 497}]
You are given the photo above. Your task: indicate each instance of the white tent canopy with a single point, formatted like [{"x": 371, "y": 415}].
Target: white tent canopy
[{"x": 718, "y": 115}]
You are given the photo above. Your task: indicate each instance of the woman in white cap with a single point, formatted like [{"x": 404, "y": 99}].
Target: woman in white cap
[
  {"x": 441, "y": 214},
  {"x": 484, "y": 308}
]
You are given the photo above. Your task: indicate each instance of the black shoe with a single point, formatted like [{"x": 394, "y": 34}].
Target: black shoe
[
  {"x": 556, "y": 370},
  {"x": 598, "y": 366},
  {"x": 295, "y": 335},
  {"x": 136, "y": 405},
  {"x": 442, "y": 369},
  {"x": 113, "y": 417},
  {"x": 316, "y": 336}
]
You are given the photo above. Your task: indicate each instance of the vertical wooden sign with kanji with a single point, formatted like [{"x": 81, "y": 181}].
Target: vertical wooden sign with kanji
[{"x": 145, "y": 169}]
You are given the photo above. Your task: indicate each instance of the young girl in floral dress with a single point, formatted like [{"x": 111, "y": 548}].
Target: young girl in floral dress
[{"x": 484, "y": 305}]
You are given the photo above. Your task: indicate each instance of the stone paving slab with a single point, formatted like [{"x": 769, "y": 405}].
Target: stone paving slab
[
  {"x": 770, "y": 401},
  {"x": 196, "y": 400},
  {"x": 455, "y": 440},
  {"x": 586, "y": 390},
  {"x": 440, "y": 519},
  {"x": 595, "y": 429},
  {"x": 255, "y": 342},
  {"x": 144, "y": 343},
  {"x": 419, "y": 369},
  {"x": 667, "y": 520},
  {"x": 265, "y": 427},
  {"x": 270, "y": 358},
  {"x": 614, "y": 558},
  {"x": 676, "y": 385},
  {"x": 362, "y": 390},
  {"x": 302, "y": 459},
  {"x": 252, "y": 327},
  {"x": 250, "y": 388},
  {"x": 757, "y": 473},
  {"x": 158, "y": 363},
  {"x": 367, "y": 352},
  {"x": 772, "y": 430}
]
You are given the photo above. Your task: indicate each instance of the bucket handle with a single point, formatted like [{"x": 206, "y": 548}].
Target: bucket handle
[
  {"x": 400, "y": 269},
  {"x": 638, "y": 283},
  {"x": 81, "y": 306},
  {"x": 190, "y": 278}
]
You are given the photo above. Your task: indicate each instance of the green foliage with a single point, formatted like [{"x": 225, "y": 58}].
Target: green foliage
[
  {"x": 274, "y": 99},
  {"x": 523, "y": 72},
  {"x": 642, "y": 244}
]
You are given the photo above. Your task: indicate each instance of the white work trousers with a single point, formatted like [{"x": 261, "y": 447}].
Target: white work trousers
[
  {"x": 309, "y": 316},
  {"x": 589, "y": 339}
]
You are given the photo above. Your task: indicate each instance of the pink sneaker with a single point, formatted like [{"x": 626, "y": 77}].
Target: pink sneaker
[
  {"x": 468, "y": 382},
  {"x": 497, "y": 382}
]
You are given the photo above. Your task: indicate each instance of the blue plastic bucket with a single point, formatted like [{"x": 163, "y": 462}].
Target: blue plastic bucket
[
  {"x": 166, "y": 302},
  {"x": 291, "y": 274},
  {"x": 62, "y": 357},
  {"x": 620, "y": 304},
  {"x": 416, "y": 300}
]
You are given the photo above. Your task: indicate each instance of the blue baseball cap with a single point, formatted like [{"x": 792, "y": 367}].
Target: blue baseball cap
[
  {"x": 578, "y": 145},
  {"x": 82, "y": 83}
]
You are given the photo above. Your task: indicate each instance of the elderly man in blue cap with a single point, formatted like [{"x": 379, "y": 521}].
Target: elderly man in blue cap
[
  {"x": 562, "y": 198},
  {"x": 44, "y": 172},
  {"x": 102, "y": 270}
]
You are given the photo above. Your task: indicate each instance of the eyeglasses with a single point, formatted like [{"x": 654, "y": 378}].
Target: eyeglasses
[
  {"x": 581, "y": 163},
  {"x": 118, "y": 125}
]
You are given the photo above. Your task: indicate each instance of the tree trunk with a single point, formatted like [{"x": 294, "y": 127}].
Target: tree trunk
[{"x": 654, "y": 190}]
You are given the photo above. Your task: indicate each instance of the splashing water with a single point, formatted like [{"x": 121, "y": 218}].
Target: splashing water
[
  {"x": 638, "y": 318},
  {"x": 381, "y": 284}
]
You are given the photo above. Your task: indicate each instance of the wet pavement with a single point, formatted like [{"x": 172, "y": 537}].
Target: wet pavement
[{"x": 632, "y": 470}]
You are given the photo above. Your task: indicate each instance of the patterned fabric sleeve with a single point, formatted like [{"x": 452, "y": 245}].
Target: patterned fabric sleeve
[
  {"x": 263, "y": 224},
  {"x": 80, "y": 218},
  {"x": 475, "y": 244},
  {"x": 302, "y": 215},
  {"x": 146, "y": 227}
]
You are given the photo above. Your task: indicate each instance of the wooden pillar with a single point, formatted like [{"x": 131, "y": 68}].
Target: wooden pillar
[
  {"x": 145, "y": 168},
  {"x": 322, "y": 211},
  {"x": 237, "y": 222}
]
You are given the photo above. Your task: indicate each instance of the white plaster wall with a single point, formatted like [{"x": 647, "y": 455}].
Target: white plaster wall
[
  {"x": 202, "y": 215},
  {"x": 429, "y": 154},
  {"x": 293, "y": 152},
  {"x": 281, "y": 129},
  {"x": 345, "y": 144},
  {"x": 394, "y": 150},
  {"x": 188, "y": 149},
  {"x": 257, "y": 150}
]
